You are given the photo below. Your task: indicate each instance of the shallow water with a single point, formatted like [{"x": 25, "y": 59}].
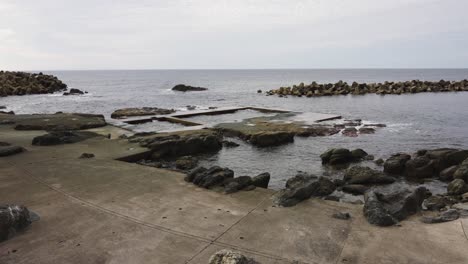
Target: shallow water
[{"x": 414, "y": 121}]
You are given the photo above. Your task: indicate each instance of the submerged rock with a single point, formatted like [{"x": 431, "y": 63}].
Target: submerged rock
[
  {"x": 187, "y": 88},
  {"x": 230, "y": 144},
  {"x": 230, "y": 257},
  {"x": 386, "y": 209},
  {"x": 303, "y": 188},
  {"x": 366, "y": 175},
  {"x": 267, "y": 139},
  {"x": 143, "y": 111},
  {"x": 13, "y": 218}
]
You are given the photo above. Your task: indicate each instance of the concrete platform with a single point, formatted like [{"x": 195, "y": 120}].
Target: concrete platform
[{"x": 106, "y": 211}]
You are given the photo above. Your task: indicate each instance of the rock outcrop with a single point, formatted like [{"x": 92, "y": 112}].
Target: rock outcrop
[
  {"x": 343, "y": 88},
  {"x": 23, "y": 83},
  {"x": 342, "y": 156},
  {"x": 13, "y": 218},
  {"x": 267, "y": 139},
  {"x": 396, "y": 163},
  {"x": 184, "y": 146},
  {"x": 388, "y": 208},
  {"x": 366, "y": 176},
  {"x": 143, "y": 111},
  {"x": 208, "y": 178},
  {"x": 303, "y": 187},
  {"x": 187, "y": 88}
]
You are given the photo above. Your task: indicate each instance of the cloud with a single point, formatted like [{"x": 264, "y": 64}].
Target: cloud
[{"x": 52, "y": 34}]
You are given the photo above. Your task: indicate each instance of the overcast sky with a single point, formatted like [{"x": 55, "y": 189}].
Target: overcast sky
[{"x": 211, "y": 34}]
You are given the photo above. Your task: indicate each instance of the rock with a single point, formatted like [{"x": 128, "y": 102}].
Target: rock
[
  {"x": 462, "y": 171},
  {"x": 444, "y": 157},
  {"x": 366, "y": 175},
  {"x": 337, "y": 156},
  {"x": 4, "y": 144},
  {"x": 74, "y": 92},
  {"x": 230, "y": 257},
  {"x": 300, "y": 179},
  {"x": 208, "y": 178},
  {"x": 375, "y": 125},
  {"x": 187, "y": 88},
  {"x": 22, "y": 83},
  {"x": 436, "y": 203},
  {"x": 386, "y": 209},
  {"x": 396, "y": 163},
  {"x": 447, "y": 174},
  {"x": 356, "y": 189},
  {"x": 62, "y": 137},
  {"x": 10, "y": 150},
  {"x": 366, "y": 130},
  {"x": 13, "y": 218},
  {"x": 447, "y": 216},
  {"x": 56, "y": 122},
  {"x": 302, "y": 191},
  {"x": 341, "y": 216},
  {"x": 419, "y": 168},
  {"x": 350, "y": 132},
  {"x": 259, "y": 91},
  {"x": 233, "y": 185},
  {"x": 261, "y": 180},
  {"x": 457, "y": 187},
  {"x": 183, "y": 146},
  {"x": 143, "y": 111},
  {"x": 267, "y": 139},
  {"x": 358, "y": 154},
  {"x": 87, "y": 156},
  {"x": 379, "y": 162},
  {"x": 186, "y": 163},
  {"x": 230, "y": 144}
]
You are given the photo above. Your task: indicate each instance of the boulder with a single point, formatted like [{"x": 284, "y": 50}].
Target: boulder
[
  {"x": 457, "y": 187},
  {"x": 446, "y": 216},
  {"x": 208, "y": 178},
  {"x": 267, "y": 139},
  {"x": 462, "y": 171},
  {"x": 359, "y": 154},
  {"x": 419, "y": 168},
  {"x": 261, "y": 180},
  {"x": 233, "y": 185},
  {"x": 187, "y": 88},
  {"x": 13, "y": 218},
  {"x": 388, "y": 208},
  {"x": 10, "y": 150},
  {"x": 230, "y": 257},
  {"x": 447, "y": 174},
  {"x": 337, "y": 156},
  {"x": 186, "y": 163},
  {"x": 396, "y": 163},
  {"x": 74, "y": 91},
  {"x": 183, "y": 146},
  {"x": 143, "y": 111},
  {"x": 438, "y": 202},
  {"x": 62, "y": 137},
  {"x": 300, "y": 191},
  {"x": 445, "y": 157},
  {"x": 350, "y": 132},
  {"x": 366, "y": 175},
  {"x": 356, "y": 189}
]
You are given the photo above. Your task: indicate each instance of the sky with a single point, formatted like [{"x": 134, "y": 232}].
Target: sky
[{"x": 234, "y": 34}]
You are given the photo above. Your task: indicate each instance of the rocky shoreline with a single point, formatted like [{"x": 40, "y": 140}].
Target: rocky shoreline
[
  {"x": 343, "y": 88},
  {"x": 23, "y": 83}
]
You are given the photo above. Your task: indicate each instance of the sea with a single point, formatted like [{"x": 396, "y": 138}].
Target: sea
[{"x": 414, "y": 121}]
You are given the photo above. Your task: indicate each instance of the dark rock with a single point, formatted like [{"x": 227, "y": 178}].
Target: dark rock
[
  {"x": 87, "y": 156},
  {"x": 267, "y": 139},
  {"x": 457, "y": 187},
  {"x": 341, "y": 216},
  {"x": 208, "y": 178},
  {"x": 194, "y": 173},
  {"x": 57, "y": 122},
  {"x": 350, "y": 132},
  {"x": 143, "y": 111},
  {"x": 356, "y": 189},
  {"x": 447, "y": 174},
  {"x": 74, "y": 92},
  {"x": 396, "y": 163},
  {"x": 186, "y": 163},
  {"x": 62, "y": 137},
  {"x": 261, "y": 180},
  {"x": 230, "y": 257},
  {"x": 386, "y": 209},
  {"x": 337, "y": 156},
  {"x": 233, "y": 185},
  {"x": 10, "y": 150},
  {"x": 366, "y": 130},
  {"x": 436, "y": 203},
  {"x": 13, "y": 218},
  {"x": 444, "y": 157},
  {"x": 187, "y": 88},
  {"x": 375, "y": 125},
  {"x": 447, "y": 216},
  {"x": 191, "y": 145},
  {"x": 299, "y": 192},
  {"x": 462, "y": 171},
  {"x": 230, "y": 144},
  {"x": 22, "y": 83},
  {"x": 259, "y": 91},
  {"x": 358, "y": 154},
  {"x": 379, "y": 162},
  {"x": 300, "y": 179},
  {"x": 419, "y": 167},
  {"x": 366, "y": 175}
]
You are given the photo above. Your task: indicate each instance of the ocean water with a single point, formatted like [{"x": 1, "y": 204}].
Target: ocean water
[{"x": 414, "y": 121}]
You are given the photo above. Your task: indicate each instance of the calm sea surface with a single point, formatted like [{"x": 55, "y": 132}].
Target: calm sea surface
[{"x": 415, "y": 121}]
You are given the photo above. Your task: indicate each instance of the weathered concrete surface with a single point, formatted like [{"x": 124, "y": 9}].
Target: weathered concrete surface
[{"x": 106, "y": 211}]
